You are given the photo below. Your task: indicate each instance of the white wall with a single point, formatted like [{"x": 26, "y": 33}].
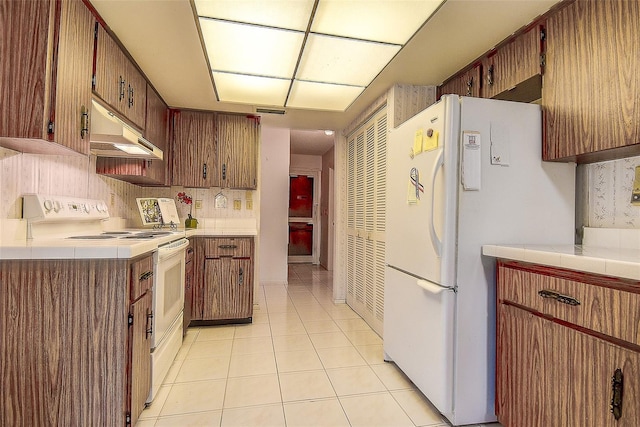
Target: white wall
[
  {"x": 274, "y": 194},
  {"x": 306, "y": 162}
]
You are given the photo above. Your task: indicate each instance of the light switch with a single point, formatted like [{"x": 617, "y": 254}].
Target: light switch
[
  {"x": 237, "y": 204},
  {"x": 198, "y": 204}
]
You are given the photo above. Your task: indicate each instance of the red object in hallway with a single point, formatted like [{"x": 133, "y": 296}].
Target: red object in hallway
[
  {"x": 300, "y": 238},
  {"x": 301, "y": 196}
]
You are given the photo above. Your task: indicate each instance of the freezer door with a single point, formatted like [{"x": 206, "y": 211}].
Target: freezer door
[
  {"x": 418, "y": 335},
  {"x": 420, "y": 211}
]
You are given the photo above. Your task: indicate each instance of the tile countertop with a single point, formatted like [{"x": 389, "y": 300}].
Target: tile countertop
[
  {"x": 616, "y": 262},
  {"x": 605, "y": 251},
  {"x": 61, "y": 248}
]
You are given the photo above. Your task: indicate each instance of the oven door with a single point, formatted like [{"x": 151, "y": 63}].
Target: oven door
[{"x": 168, "y": 288}]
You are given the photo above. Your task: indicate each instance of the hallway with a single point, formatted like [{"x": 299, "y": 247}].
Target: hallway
[{"x": 304, "y": 361}]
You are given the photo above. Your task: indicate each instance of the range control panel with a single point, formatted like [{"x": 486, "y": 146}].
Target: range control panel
[{"x": 41, "y": 207}]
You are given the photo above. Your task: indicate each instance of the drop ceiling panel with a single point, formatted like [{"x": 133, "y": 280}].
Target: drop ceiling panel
[
  {"x": 345, "y": 61},
  {"x": 292, "y": 14},
  {"x": 385, "y": 21},
  {"x": 322, "y": 96},
  {"x": 245, "y": 89},
  {"x": 250, "y": 49}
]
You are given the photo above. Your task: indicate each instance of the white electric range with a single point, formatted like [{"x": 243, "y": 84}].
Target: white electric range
[{"x": 60, "y": 227}]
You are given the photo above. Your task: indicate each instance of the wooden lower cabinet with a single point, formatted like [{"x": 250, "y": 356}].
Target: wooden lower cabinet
[
  {"x": 74, "y": 348},
  {"x": 553, "y": 373},
  {"x": 223, "y": 289},
  {"x": 228, "y": 290}
]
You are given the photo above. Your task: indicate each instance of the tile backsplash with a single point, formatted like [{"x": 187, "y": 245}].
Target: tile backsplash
[
  {"x": 75, "y": 176},
  {"x": 608, "y": 194}
]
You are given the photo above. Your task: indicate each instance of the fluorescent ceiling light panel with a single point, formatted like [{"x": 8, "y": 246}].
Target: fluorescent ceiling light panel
[
  {"x": 245, "y": 89},
  {"x": 249, "y": 49},
  {"x": 292, "y": 14},
  {"x": 384, "y": 21},
  {"x": 344, "y": 61},
  {"x": 322, "y": 96}
]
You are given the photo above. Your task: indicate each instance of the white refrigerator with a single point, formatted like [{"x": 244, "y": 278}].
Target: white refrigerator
[{"x": 462, "y": 173}]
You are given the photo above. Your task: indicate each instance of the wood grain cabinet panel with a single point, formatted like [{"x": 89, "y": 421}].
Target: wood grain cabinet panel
[
  {"x": 141, "y": 313},
  {"x": 117, "y": 80},
  {"x": 74, "y": 346},
  {"x": 238, "y": 138},
  {"x": 591, "y": 95},
  {"x": 45, "y": 76},
  {"x": 195, "y": 149},
  {"x": 468, "y": 83},
  {"x": 225, "y": 289},
  {"x": 512, "y": 63},
  {"x": 229, "y": 294},
  {"x": 554, "y": 366}
]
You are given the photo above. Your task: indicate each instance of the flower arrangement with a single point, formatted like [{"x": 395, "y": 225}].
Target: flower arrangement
[{"x": 188, "y": 200}]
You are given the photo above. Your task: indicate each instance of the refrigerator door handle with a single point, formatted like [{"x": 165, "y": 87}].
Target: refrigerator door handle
[
  {"x": 431, "y": 287},
  {"x": 435, "y": 241}
]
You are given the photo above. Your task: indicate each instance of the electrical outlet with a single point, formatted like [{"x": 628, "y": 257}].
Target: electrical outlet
[
  {"x": 237, "y": 204},
  {"x": 112, "y": 199},
  {"x": 198, "y": 204}
]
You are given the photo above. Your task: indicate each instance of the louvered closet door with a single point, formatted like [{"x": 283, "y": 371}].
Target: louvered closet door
[{"x": 366, "y": 189}]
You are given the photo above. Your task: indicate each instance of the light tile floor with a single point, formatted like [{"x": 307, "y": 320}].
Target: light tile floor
[{"x": 304, "y": 361}]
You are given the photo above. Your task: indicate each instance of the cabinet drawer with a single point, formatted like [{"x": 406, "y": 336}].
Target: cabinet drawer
[
  {"x": 236, "y": 247},
  {"x": 607, "y": 310},
  {"x": 141, "y": 277}
]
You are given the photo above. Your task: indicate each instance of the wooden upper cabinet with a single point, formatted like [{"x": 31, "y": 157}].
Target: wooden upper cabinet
[
  {"x": 514, "y": 62},
  {"x": 467, "y": 83},
  {"x": 117, "y": 81},
  {"x": 591, "y": 92},
  {"x": 238, "y": 138},
  {"x": 45, "y": 76},
  {"x": 195, "y": 149}
]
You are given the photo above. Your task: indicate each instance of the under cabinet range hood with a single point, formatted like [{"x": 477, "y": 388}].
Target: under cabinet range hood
[{"x": 112, "y": 137}]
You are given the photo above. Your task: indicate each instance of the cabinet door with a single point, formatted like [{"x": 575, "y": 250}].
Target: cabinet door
[
  {"x": 110, "y": 81},
  {"x": 238, "y": 137},
  {"x": 527, "y": 391},
  {"x": 140, "y": 347},
  {"x": 45, "y": 83},
  {"x": 590, "y": 94},
  {"x": 136, "y": 98},
  {"x": 195, "y": 149},
  {"x": 512, "y": 63},
  {"x": 465, "y": 84},
  {"x": 228, "y": 292}
]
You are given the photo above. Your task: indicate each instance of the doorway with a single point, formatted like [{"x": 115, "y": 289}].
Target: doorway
[{"x": 303, "y": 218}]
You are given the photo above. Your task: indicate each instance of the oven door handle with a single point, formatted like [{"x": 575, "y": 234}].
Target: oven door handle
[{"x": 168, "y": 251}]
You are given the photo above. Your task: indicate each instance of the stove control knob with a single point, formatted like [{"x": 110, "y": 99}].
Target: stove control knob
[
  {"x": 48, "y": 205},
  {"x": 57, "y": 206}
]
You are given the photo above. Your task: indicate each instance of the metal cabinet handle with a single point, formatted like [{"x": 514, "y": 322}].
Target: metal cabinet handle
[
  {"x": 224, "y": 171},
  {"x": 469, "y": 86},
  {"x": 617, "y": 383},
  {"x": 149, "y": 328},
  {"x": 84, "y": 122},
  {"x": 204, "y": 171},
  {"x": 558, "y": 297},
  {"x": 241, "y": 277},
  {"x": 490, "y": 79},
  {"x": 120, "y": 88},
  {"x": 145, "y": 275},
  {"x": 131, "y": 94},
  {"x": 227, "y": 246}
]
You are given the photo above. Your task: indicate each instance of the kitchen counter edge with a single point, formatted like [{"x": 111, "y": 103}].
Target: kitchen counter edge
[{"x": 615, "y": 262}]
